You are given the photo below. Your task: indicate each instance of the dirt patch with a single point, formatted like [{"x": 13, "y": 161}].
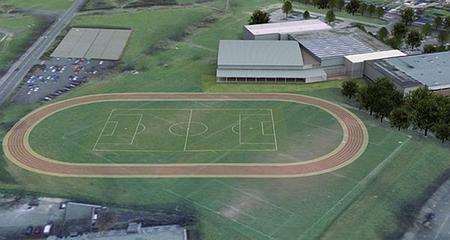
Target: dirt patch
[{"x": 236, "y": 208}]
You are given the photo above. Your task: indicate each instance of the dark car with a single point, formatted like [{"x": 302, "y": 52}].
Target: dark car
[
  {"x": 37, "y": 231},
  {"x": 29, "y": 230}
]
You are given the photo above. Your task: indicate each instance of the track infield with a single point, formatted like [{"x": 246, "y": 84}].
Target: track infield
[{"x": 355, "y": 139}]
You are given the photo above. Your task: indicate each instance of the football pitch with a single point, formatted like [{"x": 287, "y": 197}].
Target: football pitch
[
  {"x": 188, "y": 130},
  {"x": 187, "y": 135}
]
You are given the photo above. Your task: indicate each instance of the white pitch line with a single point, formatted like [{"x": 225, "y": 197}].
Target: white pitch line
[
  {"x": 103, "y": 129},
  {"x": 137, "y": 128},
  {"x": 187, "y": 130},
  {"x": 274, "y": 132},
  {"x": 360, "y": 185},
  {"x": 240, "y": 129},
  {"x": 217, "y": 213}
]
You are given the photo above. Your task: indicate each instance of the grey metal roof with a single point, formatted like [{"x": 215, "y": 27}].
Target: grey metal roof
[
  {"x": 332, "y": 44},
  {"x": 253, "y": 73},
  {"x": 432, "y": 70},
  {"x": 267, "y": 54},
  {"x": 93, "y": 43}
]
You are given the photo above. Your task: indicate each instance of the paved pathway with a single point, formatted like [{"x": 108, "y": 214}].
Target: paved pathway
[{"x": 439, "y": 226}]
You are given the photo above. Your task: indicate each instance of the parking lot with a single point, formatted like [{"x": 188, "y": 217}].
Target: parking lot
[
  {"x": 52, "y": 78},
  {"x": 23, "y": 218}
]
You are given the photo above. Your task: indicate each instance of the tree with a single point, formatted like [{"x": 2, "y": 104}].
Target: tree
[
  {"x": 287, "y": 7},
  {"x": 429, "y": 48},
  {"x": 400, "y": 118},
  {"x": 330, "y": 17},
  {"x": 362, "y": 8},
  {"x": 414, "y": 39},
  {"x": 447, "y": 23},
  {"x": 382, "y": 34},
  {"x": 364, "y": 98},
  {"x": 306, "y": 15},
  {"x": 408, "y": 16},
  {"x": 399, "y": 30},
  {"x": 322, "y": 4},
  {"x": 394, "y": 42},
  {"x": 424, "y": 109},
  {"x": 353, "y": 6},
  {"x": 437, "y": 22},
  {"x": 380, "y": 11},
  {"x": 426, "y": 29},
  {"x": 259, "y": 17},
  {"x": 332, "y": 4},
  {"x": 385, "y": 97},
  {"x": 340, "y": 4},
  {"x": 371, "y": 9},
  {"x": 442, "y": 131},
  {"x": 443, "y": 37},
  {"x": 349, "y": 88}
]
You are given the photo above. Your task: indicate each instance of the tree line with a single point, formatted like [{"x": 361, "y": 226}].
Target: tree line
[
  {"x": 420, "y": 109},
  {"x": 403, "y": 33},
  {"x": 353, "y": 7}
]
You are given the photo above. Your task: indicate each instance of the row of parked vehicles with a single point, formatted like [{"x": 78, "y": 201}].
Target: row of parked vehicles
[
  {"x": 39, "y": 231},
  {"x": 74, "y": 81}
]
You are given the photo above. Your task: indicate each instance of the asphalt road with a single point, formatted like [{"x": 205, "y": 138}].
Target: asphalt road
[{"x": 11, "y": 79}]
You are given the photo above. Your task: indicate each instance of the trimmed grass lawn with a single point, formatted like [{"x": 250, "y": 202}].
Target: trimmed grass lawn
[
  {"x": 361, "y": 201},
  {"x": 222, "y": 132},
  {"x": 57, "y": 5},
  {"x": 22, "y": 28}
]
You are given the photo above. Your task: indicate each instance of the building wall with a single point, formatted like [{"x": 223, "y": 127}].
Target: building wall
[
  {"x": 371, "y": 73},
  {"x": 334, "y": 71},
  {"x": 354, "y": 70},
  {"x": 273, "y": 36},
  {"x": 248, "y": 35}
]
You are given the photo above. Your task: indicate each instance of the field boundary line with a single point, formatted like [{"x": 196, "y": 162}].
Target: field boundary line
[
  {"x": 274, "y": 131},
  {"x": 218, "y": 214},
  {"x": 137, "y": 128},
  {"x": 359, "y": 187},
  {"x": 103, "y": 129},
  {"x": 187, "y": 130}
]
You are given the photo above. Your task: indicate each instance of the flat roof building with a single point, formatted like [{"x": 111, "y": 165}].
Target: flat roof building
[
  {"x": 410, "y": 72},
  {"x": 354, "y": 64},
  {"x": 329, "y": 48},
  {"x": 280, "y": 31},
  {"x": 263, "y": 61},
  {"x": 168, "y": 232},
  {"x": 93, "y": 43}
]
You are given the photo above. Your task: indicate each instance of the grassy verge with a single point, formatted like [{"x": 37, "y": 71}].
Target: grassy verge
[
  {"x": 24, "y": 30},
  {"x": 57, "y": 5}
]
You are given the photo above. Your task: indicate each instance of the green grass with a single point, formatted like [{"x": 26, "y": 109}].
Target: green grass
[
  {"x": 301, "y": 133},
  {"x": 237, "y": 209},
  {"x": 434, "y": 12},
  {"x": 344, "y": 204},
  {"x": 343, "y": 14},
  {"x": 22, "y": 28},
  {"x": 57, "y": 5}
]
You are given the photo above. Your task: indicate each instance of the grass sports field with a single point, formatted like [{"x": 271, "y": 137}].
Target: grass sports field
[
  {"x": 171, "y": 132},
  {"x": 364, "y": 200}
]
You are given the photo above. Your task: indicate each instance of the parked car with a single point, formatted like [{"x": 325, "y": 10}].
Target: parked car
[
  {"x": 37, "y": 231},
  {"x": 29, "y": 230}
]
